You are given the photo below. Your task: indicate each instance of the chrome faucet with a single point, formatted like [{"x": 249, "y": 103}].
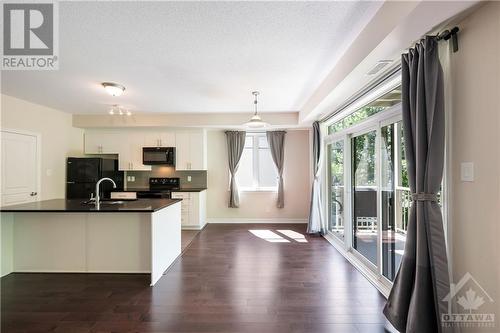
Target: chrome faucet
[{"x": 97, "y": 198}]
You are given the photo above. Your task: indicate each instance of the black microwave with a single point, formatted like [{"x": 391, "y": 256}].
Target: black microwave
[{"x": 158, "y": 156}]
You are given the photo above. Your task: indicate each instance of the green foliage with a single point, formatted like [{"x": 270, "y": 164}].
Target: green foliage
[
  {"x": 364, "y": 159},
  {"x": 355, "y": 118},
  {"x": 336, "y": 159}
]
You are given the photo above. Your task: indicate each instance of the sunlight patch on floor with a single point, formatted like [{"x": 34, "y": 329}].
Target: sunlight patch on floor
[
  {"x": 273, "y": 237},
  {"x": 269, "y": 236},
  {"x": 296, "y": 236}
]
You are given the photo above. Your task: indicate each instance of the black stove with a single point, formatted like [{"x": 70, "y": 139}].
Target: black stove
[
  {"x": 164, "y": 184},
  {"x": 159, "y": 187}
]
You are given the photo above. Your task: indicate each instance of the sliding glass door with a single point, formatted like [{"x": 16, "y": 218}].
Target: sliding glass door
[
  {"x": 395, "y": 198},
  {"x": 364, "y": 195},
  {"x": 336, "y": 185},
  {"x": 367, "y": 191}
]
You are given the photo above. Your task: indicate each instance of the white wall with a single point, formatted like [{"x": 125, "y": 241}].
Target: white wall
[
  {"x": 59, "y": 139},
  {"x": 260, "y": 205},
  {"x": 6, "y": 244},
  {"x": 476, "y": 138}
]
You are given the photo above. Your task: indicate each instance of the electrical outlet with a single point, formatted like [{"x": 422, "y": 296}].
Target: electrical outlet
[{"x": 189, "y": 178}]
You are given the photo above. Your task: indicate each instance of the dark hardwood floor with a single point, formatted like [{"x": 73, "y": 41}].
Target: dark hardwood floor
[
  {"x": 187, "y": 237},
  {"x": 227, "y": 280}
]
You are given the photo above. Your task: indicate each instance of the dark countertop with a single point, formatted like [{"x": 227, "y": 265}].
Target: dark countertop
[
  {"x": 194, "y": 189},
  {"x": 184, "y": 189},
  {"x": 77, "y": 206}
]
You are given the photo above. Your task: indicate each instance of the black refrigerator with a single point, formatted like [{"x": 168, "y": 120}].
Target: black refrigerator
[{"x": 82, "y": 173}]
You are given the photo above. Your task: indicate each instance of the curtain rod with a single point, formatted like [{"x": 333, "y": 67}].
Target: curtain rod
[{"x": 447, "y": 34}]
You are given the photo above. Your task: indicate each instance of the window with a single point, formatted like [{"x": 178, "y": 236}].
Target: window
[
  {"x": 382, "y": 103},
  {"x": 257, "y": 171}
]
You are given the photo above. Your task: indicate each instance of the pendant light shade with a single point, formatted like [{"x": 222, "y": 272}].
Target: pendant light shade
[{"x": 256, "y": 121}]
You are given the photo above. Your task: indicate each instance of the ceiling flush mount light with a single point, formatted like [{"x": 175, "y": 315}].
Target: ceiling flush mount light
[
  {"x": 119, "y": 110},
  {"x": 114, "y": 89},
  {"x": 256, "y": 121}
]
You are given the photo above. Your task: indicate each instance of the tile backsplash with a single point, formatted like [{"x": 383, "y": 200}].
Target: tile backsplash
[{"x": 198, "y": 178}]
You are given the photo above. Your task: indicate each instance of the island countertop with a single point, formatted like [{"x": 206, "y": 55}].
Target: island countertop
[{"x": 78, "y": 206}]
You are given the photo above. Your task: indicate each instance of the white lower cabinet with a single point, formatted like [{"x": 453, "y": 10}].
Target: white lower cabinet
[{"x": 193, "y": 209}]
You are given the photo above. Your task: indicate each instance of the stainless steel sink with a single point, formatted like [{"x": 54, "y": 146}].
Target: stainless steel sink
[
  {"x": 112, "y": 202},
  {"x": 105, "y": 202}
]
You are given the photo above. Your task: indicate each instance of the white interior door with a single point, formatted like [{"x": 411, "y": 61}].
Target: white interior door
[{"x": 19, "y": 168}]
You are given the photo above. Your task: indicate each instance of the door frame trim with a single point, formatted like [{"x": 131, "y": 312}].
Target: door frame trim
[{"x": 38, "y": 156}]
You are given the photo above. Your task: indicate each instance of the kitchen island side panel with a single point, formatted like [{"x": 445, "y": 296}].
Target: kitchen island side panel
[
  {"x": 119, "y": 243},
  {"x": 166, "y": 239},
  {"x": 82, "y": 242},
  {"x": 50, "y": 242}
]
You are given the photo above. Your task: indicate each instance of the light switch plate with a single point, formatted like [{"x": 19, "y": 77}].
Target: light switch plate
[
  {"x": 189, "y": 178},
  {"x": 467, "y": 171}
]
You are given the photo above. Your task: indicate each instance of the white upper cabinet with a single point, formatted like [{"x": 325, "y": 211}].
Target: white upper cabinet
[
  {"x": 191, "y": 147},
  {"x": 182, "y": 150},
  {"x": 130, "y": 156},
  {"x": 159, "y": 139},
  {"x": 102, "y": 143},
  {"x": 191, "y": 150}
]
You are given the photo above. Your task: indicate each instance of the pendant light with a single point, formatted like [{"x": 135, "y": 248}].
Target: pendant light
[{"x": 256, "y": 121}]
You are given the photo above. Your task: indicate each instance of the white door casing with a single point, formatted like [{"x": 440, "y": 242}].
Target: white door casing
[{"x": 20, "y": 168}]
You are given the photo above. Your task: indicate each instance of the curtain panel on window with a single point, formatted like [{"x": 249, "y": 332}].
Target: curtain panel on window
[
  {"x": 316, "y": 221},
  {"x": 276, "y": 140},
  {"x": 235, "y": 144},
  {"x": 415, "y": 303}
]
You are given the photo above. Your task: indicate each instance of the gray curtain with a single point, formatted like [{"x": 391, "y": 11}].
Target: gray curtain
[
  {"x": 316, "y": 224},
  {"x": 415, "y": 303},
  {"x": 235, "y": 144},
  {"x": 276, "y": 141}
]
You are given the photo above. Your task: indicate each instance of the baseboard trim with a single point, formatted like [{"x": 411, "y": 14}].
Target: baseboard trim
[
  {"x": 256, "y": 221},
  {"x": 78, "y": 271},
  {"x": 192, "y": 227},
  {"x": 7, "y": 273}
]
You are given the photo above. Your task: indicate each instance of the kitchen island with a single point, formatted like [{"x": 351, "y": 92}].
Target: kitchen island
[{"x": 139, "y": 236}]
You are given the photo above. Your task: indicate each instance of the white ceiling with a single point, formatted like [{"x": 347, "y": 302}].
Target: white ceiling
[{"x": 192, "y": 57}]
